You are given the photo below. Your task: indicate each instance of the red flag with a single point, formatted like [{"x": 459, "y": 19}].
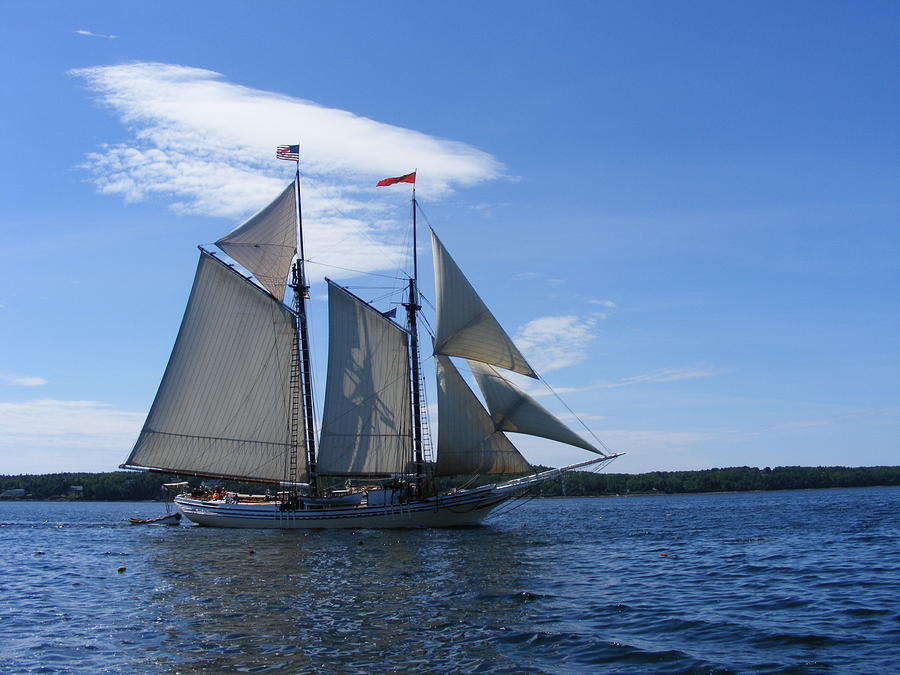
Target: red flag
[{"x": 408, "y": 178}]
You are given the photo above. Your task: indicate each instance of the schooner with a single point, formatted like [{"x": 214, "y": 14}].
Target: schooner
[{"x": 236, "y": 399}]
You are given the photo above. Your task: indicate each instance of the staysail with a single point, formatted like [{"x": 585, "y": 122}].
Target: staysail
[
  {"x": 514, "y": 410},
  {"x": 468, "y": 440},
  {"x": 266, "y": 243},
  {"x": 223, "y": 407},
  {"x": 366, "y": 420},
  {"x": 465, "y": 326}
]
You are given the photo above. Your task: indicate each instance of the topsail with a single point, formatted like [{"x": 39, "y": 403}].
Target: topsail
[{"x": 266, "y": 243}]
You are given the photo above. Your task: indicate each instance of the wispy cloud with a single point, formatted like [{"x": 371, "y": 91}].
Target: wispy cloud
[
  {"x": 603, "y": 303},
  {"x": 871, "y": 415},
  {"x": 206, "y": 145},
  {"x": 647, "y": 449},
  {"x": 54, "y": 435},
  {"x": 657, "y": 441},
  {"x": 82, "y": 423},
  {"x": 21, "y": 380},
  {"x": 580, "y": 417},
  {"x": 663, "y": 375},
  {"x": 529, "y": 276},
  {"x": 554, "y": 342},
  {"x": 88, "y": 33},
  {"x": 658, "y": 376}
]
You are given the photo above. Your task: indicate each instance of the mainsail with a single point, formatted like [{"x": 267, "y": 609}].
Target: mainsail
[
  {"x": 266, "y": 243},
  {"x": 468, "y": 440},
  {"x": 366, "y": 421},
  {"x": 514, "y": 410},
  {"x": 465, "y": 326},
  {"x": 223, "y": 407}
]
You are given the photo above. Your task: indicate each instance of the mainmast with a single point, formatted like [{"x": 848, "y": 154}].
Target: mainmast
[
  {"x": 301, "y": 293},
  {"x": 412, "y": 308}
]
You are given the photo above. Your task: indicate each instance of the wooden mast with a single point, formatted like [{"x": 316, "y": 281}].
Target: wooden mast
[
  {"x": 412, "y": 309},
  {"x": 301, "y": 291}
]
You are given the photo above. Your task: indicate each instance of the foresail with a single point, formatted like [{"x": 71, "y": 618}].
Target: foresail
[
  {"x": 223, "y": 407},
  {"x": 468, "y": 441},
  {"x": 514, "y": 410},
  {"x": 266, "y": 243},
  {"x": 366, "y": 420},
  {"x": 465, "y": 326}
]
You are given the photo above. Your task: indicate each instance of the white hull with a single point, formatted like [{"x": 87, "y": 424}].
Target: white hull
[{"x": 466, "y": 507}]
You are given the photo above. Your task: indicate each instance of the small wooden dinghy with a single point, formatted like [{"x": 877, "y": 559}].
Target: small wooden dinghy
[{"x": 168, "y": 519}]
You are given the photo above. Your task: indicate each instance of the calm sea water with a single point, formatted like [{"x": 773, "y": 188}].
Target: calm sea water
[{"x": 787, "y": 582}]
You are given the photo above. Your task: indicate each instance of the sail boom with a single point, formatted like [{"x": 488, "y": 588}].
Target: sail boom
[
  {"x": 198, "y": 474},
  {"x": 356, "y": 474}
]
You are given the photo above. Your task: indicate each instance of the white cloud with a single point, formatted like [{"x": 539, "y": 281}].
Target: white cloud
[
  {"x": 207, "y": 146},
  {"x": 603, "y": 303},
  {"x": 554, "y": 342},
  {"x": 88, "y": 33},
  {"x": 22, "y": 380},
  {"x": 179, "y": 112},
  {"x": 49, "y": 435}
]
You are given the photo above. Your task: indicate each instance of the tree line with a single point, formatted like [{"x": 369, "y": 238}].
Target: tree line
[
  {"x": 140, "y": 486},
  {"x": 733, "y": 479}
]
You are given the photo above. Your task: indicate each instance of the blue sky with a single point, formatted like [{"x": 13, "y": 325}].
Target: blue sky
[{"x": 685, "y": 213}]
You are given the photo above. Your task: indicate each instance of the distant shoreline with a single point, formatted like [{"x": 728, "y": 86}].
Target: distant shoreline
[
  {"x": 68, "y": 500},
  {"x": 714, "y": 492},
  {"x": 121, "y": 486}
]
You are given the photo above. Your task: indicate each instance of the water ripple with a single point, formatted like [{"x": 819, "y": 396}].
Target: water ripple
[{"x": 793, "y": 582}]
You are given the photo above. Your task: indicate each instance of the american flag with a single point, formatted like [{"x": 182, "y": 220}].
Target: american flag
[{"x": 288, "y": 152}]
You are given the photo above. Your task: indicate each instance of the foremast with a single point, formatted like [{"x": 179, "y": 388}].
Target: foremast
[{"x": 301, "y": 376}]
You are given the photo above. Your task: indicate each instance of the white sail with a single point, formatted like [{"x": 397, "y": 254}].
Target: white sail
[
  {"x": 514, "y": 410},
  {"x": 223, "y": 407},
  {"x": 465, "y": 326},
  {"x": 468, "y": 441},
  {"x": 266, "y": 243},
  {"x": 366, "y": 421}
]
